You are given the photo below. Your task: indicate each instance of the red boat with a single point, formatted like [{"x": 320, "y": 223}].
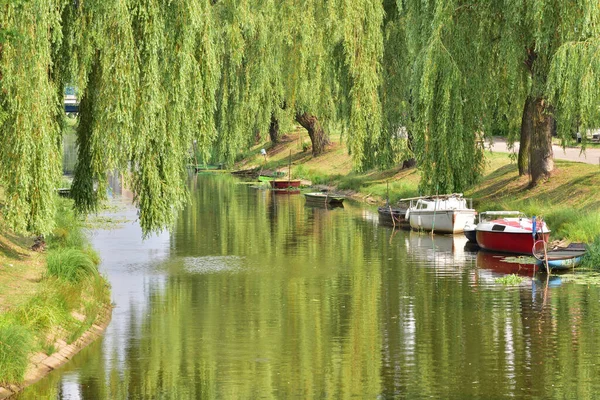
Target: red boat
[
  {"x": 285, "y": 184},
  {"x": 509, "y": 232}
]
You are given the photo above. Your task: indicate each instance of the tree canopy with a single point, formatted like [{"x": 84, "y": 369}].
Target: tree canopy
[{"x": 157, "y": 76}]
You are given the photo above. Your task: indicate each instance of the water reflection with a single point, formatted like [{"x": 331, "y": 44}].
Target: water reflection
[{"x": 254, "y": 295}]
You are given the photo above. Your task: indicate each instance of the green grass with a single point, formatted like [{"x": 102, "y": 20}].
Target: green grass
[
  {"x": 69, "y": 227},
  {"x": 16, "y": 342},
  {"x": 72, "y": 285},
  {"x": 592, "y": 256},
  {"x": 70, "y": 264}
]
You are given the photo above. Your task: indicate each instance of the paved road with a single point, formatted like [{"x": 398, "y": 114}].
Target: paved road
[{"x": 591, "y": 155}]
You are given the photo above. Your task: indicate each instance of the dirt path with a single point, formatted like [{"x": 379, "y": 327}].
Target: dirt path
[{"x": 591, "y": 155}]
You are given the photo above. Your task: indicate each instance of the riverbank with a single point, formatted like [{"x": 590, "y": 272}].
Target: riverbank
[
  {"x": 568, "y": 201},
  {"x": 53, "y": 301}
]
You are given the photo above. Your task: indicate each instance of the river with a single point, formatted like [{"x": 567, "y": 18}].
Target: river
[{"x": 254, "y": 295}]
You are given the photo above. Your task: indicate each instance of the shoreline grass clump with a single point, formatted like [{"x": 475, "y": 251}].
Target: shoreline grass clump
[
  {"x": 68, "y": 299},
  {"x": 591, "y": 259},
  {"x": 70, "y": 264},
  {"x": 16, "y": 342}
]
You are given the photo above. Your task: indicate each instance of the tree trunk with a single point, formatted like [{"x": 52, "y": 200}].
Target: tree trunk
[
  {"x": 526, "y": 133},
  {"x": 541, "y": 155},
  {"x": 317, "y": 135},
  {"x": 274, "y": 129}
]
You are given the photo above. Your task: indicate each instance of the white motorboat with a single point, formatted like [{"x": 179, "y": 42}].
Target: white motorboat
[{"x": 441, "y": 214}]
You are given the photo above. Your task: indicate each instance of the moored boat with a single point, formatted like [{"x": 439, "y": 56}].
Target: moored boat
[
  {"x": 389, "y": 215},
  {"x": 270, "y": 176},
  {"x": 440, "y": 214},
  {"x": 470, "y": 232},
  {"x": 326, "y": 198},
  {"x": 509, "y": 232},
  {"x": 285, "y": 183},
  {"x": 561, "y": 258}
]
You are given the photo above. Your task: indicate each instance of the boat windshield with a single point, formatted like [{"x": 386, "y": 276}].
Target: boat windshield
[{"x": 491, "y": 215}]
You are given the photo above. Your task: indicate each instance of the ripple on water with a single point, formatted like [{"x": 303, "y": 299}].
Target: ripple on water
[{"x": 212, "y": 264}]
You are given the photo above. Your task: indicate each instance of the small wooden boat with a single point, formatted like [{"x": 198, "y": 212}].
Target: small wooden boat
[
  {"x": 393, "y": 216},
  {"x": 561, "y": 258},
  {"x": 64, "y": 192},
  {"x": 509, "y": 232},
  {"x": 267, "y": 177},
  {"x": 325, "y": 198},
  {"x": 285, "y": 183},
  {"x": 206, "y": 167}
]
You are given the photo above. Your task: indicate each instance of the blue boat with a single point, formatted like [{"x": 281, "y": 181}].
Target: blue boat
[{"x": 562, "y": 258}]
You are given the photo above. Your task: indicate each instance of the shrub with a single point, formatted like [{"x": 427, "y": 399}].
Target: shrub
[{"x": 70, "y": 264}]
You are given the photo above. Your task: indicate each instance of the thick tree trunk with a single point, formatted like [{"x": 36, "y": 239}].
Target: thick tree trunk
[
  {"x": 274, "y": 129},
  {"x": 526, "y": 133},
  {"x": 317, "y": 135},
  {"x": 542, "y": 157}
]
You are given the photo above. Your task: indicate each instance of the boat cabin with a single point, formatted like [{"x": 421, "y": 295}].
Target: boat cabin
[{"x": 444, "y": 202}]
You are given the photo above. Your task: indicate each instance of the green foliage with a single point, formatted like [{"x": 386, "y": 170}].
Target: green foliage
[
  {"x": 314, "y": 176},
  {"x": 428, "y": 79},
  {"x": 70, "y": 264},
  {"x": 15, "y": 344},
  {"x": 29, "y": 133}
]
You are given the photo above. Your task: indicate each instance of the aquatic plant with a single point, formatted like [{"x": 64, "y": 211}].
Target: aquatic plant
[{"x": 510, "y": 280}]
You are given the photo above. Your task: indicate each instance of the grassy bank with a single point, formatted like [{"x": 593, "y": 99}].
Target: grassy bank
[
  {"x": 568, "y": 201},
  {"x": 47, "y": 298}
]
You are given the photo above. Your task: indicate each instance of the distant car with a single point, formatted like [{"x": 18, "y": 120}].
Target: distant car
[{"x": 592, "y": 135}]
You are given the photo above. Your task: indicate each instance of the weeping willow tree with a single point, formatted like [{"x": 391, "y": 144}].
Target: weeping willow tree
[
  {"x": 145, "y": 101},
  {"x": 158, "y": 78},
  {"x": 29, "y": 105},
  {"x": 314, "y": 61},
  {"x": 531, "y": 62},
  {"x": 551, "y": 43}
]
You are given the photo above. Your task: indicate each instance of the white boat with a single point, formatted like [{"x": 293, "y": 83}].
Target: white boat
[{"x": 441, "y": 214}]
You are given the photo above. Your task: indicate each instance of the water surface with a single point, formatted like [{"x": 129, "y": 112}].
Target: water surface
[{"x": 255, "y": 295}]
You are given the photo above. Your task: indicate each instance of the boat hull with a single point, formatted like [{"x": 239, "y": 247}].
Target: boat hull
[
  {"x": 284, "y": 184},
  {"x": 441, "y": 221},
  {"x": 567, "y": 263},
  {"x": 323, "y": 198},
  {"x": 509, "y": 242},
  {"x": 471, "y": 235},
  {"x": 393, "y": 216},
  {"x": 562, "y": 258}
]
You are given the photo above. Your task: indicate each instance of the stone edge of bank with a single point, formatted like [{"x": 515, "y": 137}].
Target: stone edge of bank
[{"x": 41, "y": 364}]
